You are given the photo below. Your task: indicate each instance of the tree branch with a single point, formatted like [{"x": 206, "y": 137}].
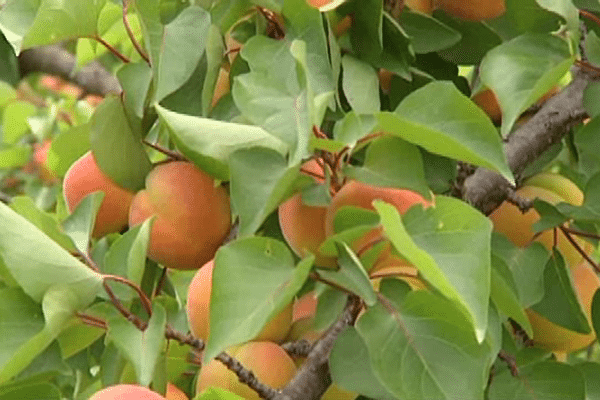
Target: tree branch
[
  {"x": 486, "y": 189},
  {"x": 55, "y": 60}
]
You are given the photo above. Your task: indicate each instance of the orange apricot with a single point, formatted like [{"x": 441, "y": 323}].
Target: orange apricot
[
  {"x": 303, "y": 225},
  {"x": 424, "y": 6},
  {"x": 324, "y": 5},
  {"x": 85, "y": 177},
  {"x": 488, "y": 102},
  {"x": 269, "y": 363},
  {"x": 126, "y": 392},
  {"x": 473, "y": 10},
  {"x": 198, "y": 309},
  {"x": 174, "y": 393},
  {"x": 518, "y": 227},
  {"x": 553, "y": 337},
  {"x": 192, "y": 215}
]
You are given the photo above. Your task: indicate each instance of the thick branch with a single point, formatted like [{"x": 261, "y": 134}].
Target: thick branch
[
  {"x": 55, "y": 60},
  {"x": 485, "y": 189},
  {"x": 313, "y": 379}
]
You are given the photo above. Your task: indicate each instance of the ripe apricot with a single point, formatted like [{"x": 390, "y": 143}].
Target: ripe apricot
[
  {"x": 38, "y": 164},
  {"x": 303, "y": 225},
  {"x": 424, "y": 6},
  {"x": 488, "y": 102},
  {"x": 192, "y": 215},
  {"x": 553, "y": 337},
  {"x": 85, "y": 177},
  {"x": 174, "y": 393},
  {"x": 126, "y": 392},
  {"x": 553, "y": 189},
  {"x": 473, "y": 10},
  {"x": 325, "y": 5},
  {"x": 198, "y": 309},
  {"x": 269, "y": 363}
]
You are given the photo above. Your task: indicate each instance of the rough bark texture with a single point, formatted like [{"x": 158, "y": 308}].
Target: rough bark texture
[
  {"x": 485, "y": 189},
  {"x": 55, "y": 60}
]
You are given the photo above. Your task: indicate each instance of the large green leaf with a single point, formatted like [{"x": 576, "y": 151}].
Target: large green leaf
[
  {"x": 142, "y": 348},
  {"x": 349, "y": 369},
  {"x": 361, "y": 85},
  {"x": 16, "y": 17},
  {"x": 57, "y": 20},
  {"x": 421, "y": 346},
  {"x": 80, "y": 224},
  {"x": 523, "y": 70},
  {"x": 441, "y": 119},
  {"x": 174, "y": 49},
  {"x": 541, "y": 380},
  {"x": 117, "y": 147},
  {"x": 427, "y": 34},
  {"x": 253, "y": 280},
  {"x": 260, "y": 181},
  {"x": 450, "y": 245},
  {"x": 209, "y": 143},
  {"x": 29, "y": 255}
]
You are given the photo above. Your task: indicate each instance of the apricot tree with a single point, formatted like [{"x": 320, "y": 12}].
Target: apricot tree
[{"x": 299, "y": 199}]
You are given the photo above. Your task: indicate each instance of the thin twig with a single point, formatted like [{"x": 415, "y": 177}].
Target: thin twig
[
  {"x": 170, "y": 153},
  {"x": 135, "y": 43},
  {"x": 582, "y": 233},
  {"x": 579, "y": 249},
  {"x": 110, "y": 48},
  {"x": 146, "y": 303},
  {"x": 141, "y": 325}
]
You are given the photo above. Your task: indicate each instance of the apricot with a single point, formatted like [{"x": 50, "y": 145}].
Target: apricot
[
  {"x": 85, "y": 177},
  {"x": 385, "y": 80},
  {"x": 174, "y": 393},
  {"x": 518, "y": 227},
  {"x": 488, "y": 102},
  {"x": 198, "y": 309},
  {"x": 358, "y": 194},
  {"x": 126, "y": 392},
  {"x": 553, "y": 337},
  {"x": 303, "y": 225},
  {"x": 473, "y": 10},
  {"x": 269, "y": 363},
  {"x": 305, "y": 306},
  {"x": 221, "y": 87},
  {"x": 424, "y": 6},
  {"x": 38, "y": 164},
  {"x": 192, "y": 215},
  {"x": 324, "y": 5}
]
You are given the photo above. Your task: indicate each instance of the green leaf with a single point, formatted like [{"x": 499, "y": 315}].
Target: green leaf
[
  {"x": 449, "y": 244},
  {"x": 527, "y": 266},
  {"x": 277, "y": 99},
  {"x": 590, "y": 209},
  {"x": 349, "y": 224},
  {"x": 523, "y": 70},
  {"x": 58, "y": 20},
  {"x": 127, "y": 258},
  {"x": 213, "y": 393},
  {"x": 117, "y": 147},
  {"x": 209, "y": 143},
  {"x": 560, "y": 303},
  {"x": 524, "y": 16},
  {"x": 42, "y": 220},
  {"x": 16, "y": 156},
  {"x": 34, "y": 391},
  {"x": 135, "y": 79},
  {"x": 541, "y": 380},
  {"x": 67, "y": 148},
  {"x": 586, "y": 138},
  {"x": 76, "y": 337},
  {"x": 590, "y": 371},
  {"x": 351, "y": 275},
  {"x": 361, "y": 85},
  {"x": 427, "y": 34},
  {"x": 29, "y": 255},
  {"x": 590, "y": 94},
  {"x": 353, "y": 127},
  {"x": 80, "y": 224},
  {"x": 16, "y": 17},
  {"x": 392, "y": 162},
  {"x": 142, "y": 348},
  {"x": 421, "y": 346},
  {"x": 441, "y": 119},
  {"x": 260, "y": 181},
  {"x": 14, "y": 117},
  {"x": 253, "y": 280},
  {"x": 504, "y": 294},
  {"x": 349, "y": 370}
]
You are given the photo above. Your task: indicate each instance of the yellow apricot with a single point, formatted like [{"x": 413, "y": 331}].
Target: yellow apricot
[
  {"x": 553, "y": 337},
  {"x": 473, "y": 10}
]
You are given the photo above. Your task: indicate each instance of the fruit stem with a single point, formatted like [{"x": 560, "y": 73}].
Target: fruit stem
[
  {"x": 117, "y": 54},
  {"x": 317, "y": 277},
  {"x": 171, "y": 154}
]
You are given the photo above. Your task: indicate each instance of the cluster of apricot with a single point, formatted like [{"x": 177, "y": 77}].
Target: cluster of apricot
[{"x": 518, "y": 227}]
